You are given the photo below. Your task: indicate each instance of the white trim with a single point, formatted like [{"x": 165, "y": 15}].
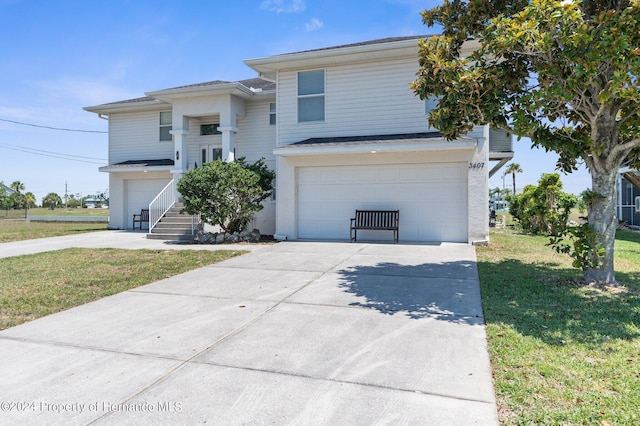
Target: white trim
[
  {"x": 467, "y": 144},
  {"x": 115, "y": 168}
]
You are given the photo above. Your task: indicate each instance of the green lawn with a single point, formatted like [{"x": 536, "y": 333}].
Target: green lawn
[
  {"x": 15, "y": 230},
  {"x": 40, "y": 211},
  {"x": 562, "y": 353},
  {"x": 36, "y": 285}
]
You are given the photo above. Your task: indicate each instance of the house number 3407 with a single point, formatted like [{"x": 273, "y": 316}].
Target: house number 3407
[{"x": 476, "y": 166}]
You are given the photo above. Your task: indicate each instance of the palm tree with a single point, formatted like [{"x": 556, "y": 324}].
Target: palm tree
[
  {"x": 512, "y": 169},
  {"x": 30, "y": 199},
  {"x": 17, "y": 186}
]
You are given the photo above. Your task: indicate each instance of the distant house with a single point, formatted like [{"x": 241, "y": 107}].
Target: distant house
[
  {"x": 341, "y": 128},
  {"x": 93, "y": 203},
  {"x": 6, "y": 188},
  {"x": 628, "y": 193}
]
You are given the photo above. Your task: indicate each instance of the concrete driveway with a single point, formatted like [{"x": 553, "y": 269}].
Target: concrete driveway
[{"x": 304, "y": 333}]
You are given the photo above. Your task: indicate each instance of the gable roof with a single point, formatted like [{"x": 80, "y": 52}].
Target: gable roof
[{"x": 244, "y": 88}]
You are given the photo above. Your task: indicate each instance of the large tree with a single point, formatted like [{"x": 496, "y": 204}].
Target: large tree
[{"x": 564, "y": 74}]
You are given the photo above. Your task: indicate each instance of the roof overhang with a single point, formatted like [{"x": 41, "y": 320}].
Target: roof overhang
[
  {"x": 235, "y": 88},
  {"x": 139, "y": 166},
  {"x": 366, "y": 52},
  {"x": 378, "y": 147},
  {"x": 126, "y": 106}
]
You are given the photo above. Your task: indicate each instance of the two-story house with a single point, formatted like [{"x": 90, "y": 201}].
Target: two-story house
[{"x": 341, "y": 128}]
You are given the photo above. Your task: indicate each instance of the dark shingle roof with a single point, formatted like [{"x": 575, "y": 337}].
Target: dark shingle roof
[
  {"x": 369, "y": 138},
  {"x": 132, "y": 101},
  {"x": 363, "y": 43},
  {"x": 256, "y": 83},
  {"x": 149, "y": 163}
]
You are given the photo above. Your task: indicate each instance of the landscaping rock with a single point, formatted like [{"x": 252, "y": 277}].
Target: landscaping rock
[{"x": 201, "y": 237}]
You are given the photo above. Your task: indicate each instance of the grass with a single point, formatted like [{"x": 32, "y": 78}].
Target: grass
[
  {"x": 36, "y": 285},
  {"x": 563, "y": 353},
  {"x": 12, "y": 230},
  {"x": 41, "y": 211}
]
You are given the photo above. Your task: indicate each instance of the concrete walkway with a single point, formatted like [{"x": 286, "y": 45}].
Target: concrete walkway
[{"x": 304, "y": 333}]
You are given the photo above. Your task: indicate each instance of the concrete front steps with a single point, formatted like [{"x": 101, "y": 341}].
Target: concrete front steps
[{"x": 173, "y": 226}]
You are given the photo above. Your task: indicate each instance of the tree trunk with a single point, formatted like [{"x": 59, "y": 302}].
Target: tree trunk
[
  {"x": 602, "y": 217},
  {"x": 514, "y": 183}
]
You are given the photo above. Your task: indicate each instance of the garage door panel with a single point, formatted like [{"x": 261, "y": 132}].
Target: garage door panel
[
  {"x": 140, "y": 192},
  {"x": 432, "y": 199}
]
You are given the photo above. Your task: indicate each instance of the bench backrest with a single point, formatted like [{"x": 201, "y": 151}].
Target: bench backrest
[
  {"x": 377, "y": 218},
  {"x": 144, "y": 215}
]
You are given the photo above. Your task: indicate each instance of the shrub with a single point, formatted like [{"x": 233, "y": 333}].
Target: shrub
[{"x": 226, "y": 194}]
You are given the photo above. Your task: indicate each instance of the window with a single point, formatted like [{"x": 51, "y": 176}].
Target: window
[
  {"x": 165, "y": 125},
  {"x": 310, "y": 96},
  {"x": 272, "y": 113},
  {"x": 209, "y": 129},
  {"x": 210, "y": 153}
]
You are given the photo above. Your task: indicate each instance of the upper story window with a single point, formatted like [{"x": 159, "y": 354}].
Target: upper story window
[
  {"x": 165, "y": 125},
  {"x": 310, "y": 96},
  {"x": 209, "y": 129},
  {"x": 272, "y": 113}
]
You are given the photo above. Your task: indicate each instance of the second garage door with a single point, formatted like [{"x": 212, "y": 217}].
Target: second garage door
[
  {"x": 432, "y": 199},
  {"x": 140, "y": 192}
]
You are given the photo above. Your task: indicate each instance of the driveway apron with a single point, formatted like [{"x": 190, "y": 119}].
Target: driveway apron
[{"x": 304, "y": 333}]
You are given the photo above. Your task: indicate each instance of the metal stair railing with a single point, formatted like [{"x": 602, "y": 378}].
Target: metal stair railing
[{"x": 161, "y": 204}]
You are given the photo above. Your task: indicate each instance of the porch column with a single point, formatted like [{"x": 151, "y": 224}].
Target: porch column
[{"x": 228, "y": 146}]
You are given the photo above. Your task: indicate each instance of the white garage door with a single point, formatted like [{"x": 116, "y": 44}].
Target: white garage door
[
  {"x": 140, "y": 192},
  {"x": 432, "y": 199}
]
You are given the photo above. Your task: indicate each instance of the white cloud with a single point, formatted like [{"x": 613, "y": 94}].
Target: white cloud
[
  {"x": 314, "y": 24},
  {"x": 283, "y": 6}
]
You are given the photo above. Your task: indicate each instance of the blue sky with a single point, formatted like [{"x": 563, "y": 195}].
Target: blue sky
[{"x": 59, "y": 56}]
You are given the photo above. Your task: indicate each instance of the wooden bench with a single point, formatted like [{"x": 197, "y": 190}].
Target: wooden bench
[
  {"x": 141, "y": 218},
  {"x": 376, "y": 220}
]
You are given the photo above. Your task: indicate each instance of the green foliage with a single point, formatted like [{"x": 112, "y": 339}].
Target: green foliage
[
  {"x": 17, "y": 186},
  {"x": 226, "y": 194},
  {"x": 543, "y": 209},
  {"x": 17, "y": 200},
  {"x": 5, "y": 202},
  {"x": 52, "y": 200},
  {"x": 580, "y": 243},
  {"x": 564, "y": 73}
]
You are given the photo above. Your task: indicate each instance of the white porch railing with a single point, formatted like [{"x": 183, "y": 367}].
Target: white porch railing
[{"x": 161, "y": 204}]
